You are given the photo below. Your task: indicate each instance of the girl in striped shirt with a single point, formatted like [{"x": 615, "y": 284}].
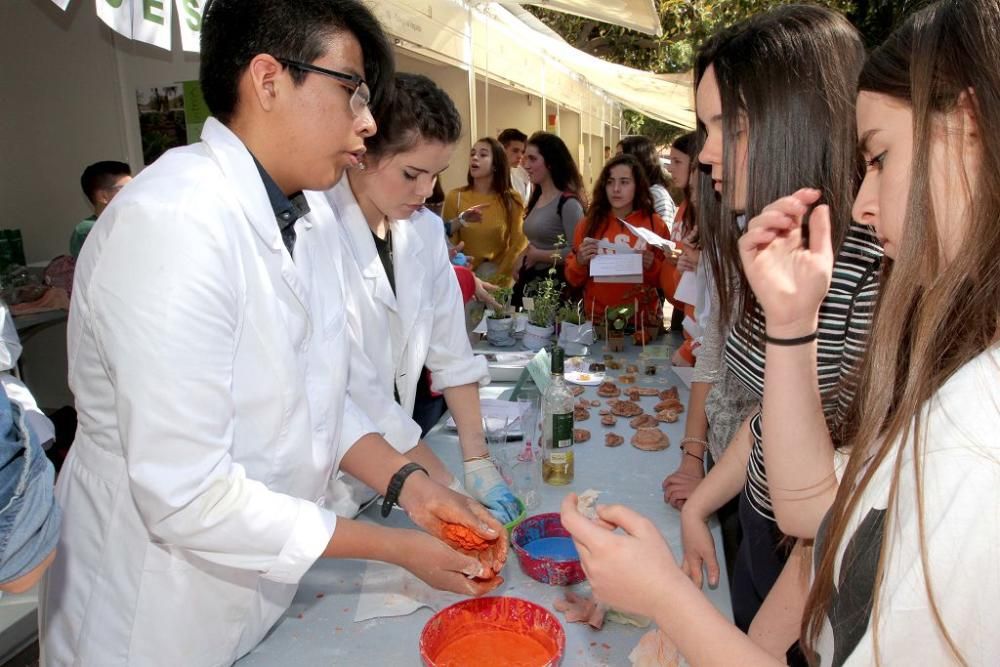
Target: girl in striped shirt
[{"x": 779, "y": 115}]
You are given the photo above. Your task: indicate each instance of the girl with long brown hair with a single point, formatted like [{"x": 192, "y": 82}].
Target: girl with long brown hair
[
  {"x": 778, "y": 113},
  {"x": 486, "y": 215},
  {"x": 621, "y": 195},
  {"x": 907, "y": 530}
]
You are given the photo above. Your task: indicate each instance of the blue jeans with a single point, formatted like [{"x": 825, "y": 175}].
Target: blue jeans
[{"x": 30, "y": 517}]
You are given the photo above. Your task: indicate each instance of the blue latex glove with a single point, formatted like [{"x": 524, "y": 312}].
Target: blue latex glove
[{"x": 484, "y": 483}]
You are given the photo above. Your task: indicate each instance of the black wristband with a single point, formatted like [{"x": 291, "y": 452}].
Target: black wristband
[
  {"x": 396, "y": 486},
  {"x": 694, "y": 456},
  {"x": 791, "y": 342}
]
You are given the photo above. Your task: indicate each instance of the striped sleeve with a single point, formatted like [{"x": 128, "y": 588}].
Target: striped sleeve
[{"x": 844, "y": 321}]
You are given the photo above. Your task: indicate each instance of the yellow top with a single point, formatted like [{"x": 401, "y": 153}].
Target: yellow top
[{"x": 499, "y": 238}]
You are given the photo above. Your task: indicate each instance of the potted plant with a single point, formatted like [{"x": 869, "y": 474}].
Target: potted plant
[
  {"x": 619, "y": 321},
  {"x": 575, "y": 332},
  {"x": 541, "y": 318},
  {"x": 499, "y": 323}
]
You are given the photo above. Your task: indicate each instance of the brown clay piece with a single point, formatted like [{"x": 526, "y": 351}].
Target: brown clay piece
[
  {"x": 614, "y": 365},
  {"x": 631, "y": 368},
  {"x": 643, "y": 421},
  {"x": 609, "y": 420},
  {"x": 581, "y": 435},
  {"x": 604, "y": 411},
  {"x": 625, "y": 408},
  {"x": 667, "y": 394},
  {"x": 646, "y": 391},
  {"x": 595, "y": 403},
  {"x": 580, "y": 414},
  {"x": 626, "y": 379},
  {"x": 650, "y": 440},
  {"x": 668, "y": 416},
  {"x": 669, "y": 404},
  {"x": 608, "y": 390},
  {"x": 576, "y": 390},
  {"x": 613, "y": 440},
  {"x": 633, "y": 394}
]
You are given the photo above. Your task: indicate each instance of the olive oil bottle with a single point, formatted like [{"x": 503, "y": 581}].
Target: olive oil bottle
[{"x": 557, "y": 426}]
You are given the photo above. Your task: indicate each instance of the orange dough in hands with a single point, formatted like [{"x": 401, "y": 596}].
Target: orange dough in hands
[
  {"x": 463, "y": 537},
  {"x": 492, "y": 554}
]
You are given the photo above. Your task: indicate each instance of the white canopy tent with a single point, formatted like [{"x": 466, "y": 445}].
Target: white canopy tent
[
  {"x": 638, "y": 15},
  {"x": 455, "y": 32}
]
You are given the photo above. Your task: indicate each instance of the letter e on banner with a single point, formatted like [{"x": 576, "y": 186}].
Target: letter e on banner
[{"x": 151, "y": 22}]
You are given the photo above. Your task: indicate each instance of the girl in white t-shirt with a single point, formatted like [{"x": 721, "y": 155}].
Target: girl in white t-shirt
[{"x": 907, "y": 557}]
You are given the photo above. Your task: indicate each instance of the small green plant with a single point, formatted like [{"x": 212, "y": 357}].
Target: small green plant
[
  {"x": 502, "y": 295},
  {"x": 620, "y": 317},
  {"x": 571, "y": 312},
  {"x": 545, "y": 299}
]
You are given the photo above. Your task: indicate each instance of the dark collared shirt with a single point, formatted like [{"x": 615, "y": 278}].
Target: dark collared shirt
[{"x": 286, "y": 209}]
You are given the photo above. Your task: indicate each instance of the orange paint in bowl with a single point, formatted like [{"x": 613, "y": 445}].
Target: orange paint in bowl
[
  {"x": 495, "y": 647},
  {"x": 495, "y": 631}
]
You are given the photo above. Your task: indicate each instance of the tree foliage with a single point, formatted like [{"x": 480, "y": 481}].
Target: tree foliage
[{"x": 686, "y": 23}]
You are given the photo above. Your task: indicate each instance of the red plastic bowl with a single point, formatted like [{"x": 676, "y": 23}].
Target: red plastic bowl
[
  {"x": 545, "y": 570},
  {"x": 492, "y": 613}
]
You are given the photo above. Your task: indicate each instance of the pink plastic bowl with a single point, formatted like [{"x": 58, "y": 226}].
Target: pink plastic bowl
[
  {"x": 545, "y": 570},
  {"x": 492, "y": 613}
]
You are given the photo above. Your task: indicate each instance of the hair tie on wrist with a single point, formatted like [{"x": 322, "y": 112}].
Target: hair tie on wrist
[{"x": 791, "y": 342}]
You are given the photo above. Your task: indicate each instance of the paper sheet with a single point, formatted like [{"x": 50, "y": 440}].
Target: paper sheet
[
  {"x": 389, "y": 590},
  {"x": 651, "y": 237},
  {"x": 687, "y": 288},
  {"x": 619, "y": 267},
  {"x": 497, "y": 412}
]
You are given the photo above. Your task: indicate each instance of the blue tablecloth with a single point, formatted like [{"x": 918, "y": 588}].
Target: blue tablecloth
[{"x": 319, "y": 629}]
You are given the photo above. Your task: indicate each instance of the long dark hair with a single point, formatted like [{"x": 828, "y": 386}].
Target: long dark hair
[
  {"x": 600, "y": 208},
  {"x": 929, "y": 64},
  {"x": 644, "y": 150},
  {"x": 789, "y": 74},
  {"x": 500, "y": 178},
  {"x": 688, "y": 144},
  {"x": 561, "y": 165}
]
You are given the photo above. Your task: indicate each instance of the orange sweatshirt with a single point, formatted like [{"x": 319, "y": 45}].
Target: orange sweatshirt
[{"x": 600, "y": 296}]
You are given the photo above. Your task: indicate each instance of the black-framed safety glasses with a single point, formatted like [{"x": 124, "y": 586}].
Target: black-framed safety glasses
[{"x": 360, "y": 94}]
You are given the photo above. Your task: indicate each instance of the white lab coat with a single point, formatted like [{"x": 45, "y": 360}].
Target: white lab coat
[
  {"x": 211, "y": 378},
  {"x": 422, "y": 324}
]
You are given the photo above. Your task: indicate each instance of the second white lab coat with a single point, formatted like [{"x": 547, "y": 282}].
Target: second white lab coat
[
  {"x": 422, "y": 324},
  {"x": 424, "y": 318},
  {"x": 211, "y": 374}
]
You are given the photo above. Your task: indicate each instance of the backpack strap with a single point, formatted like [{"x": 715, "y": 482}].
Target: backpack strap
[{"x": 563, "y": 198}]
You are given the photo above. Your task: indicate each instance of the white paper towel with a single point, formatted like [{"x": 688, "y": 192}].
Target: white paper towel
[{"x": 389, "y": 590}]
